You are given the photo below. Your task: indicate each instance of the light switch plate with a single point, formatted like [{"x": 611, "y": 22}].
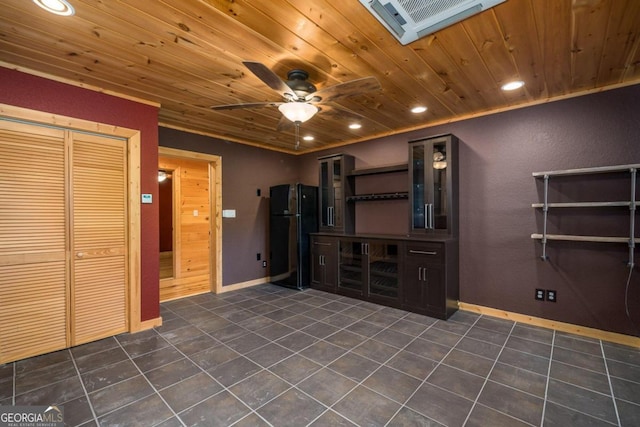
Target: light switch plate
[
  {"x": 147, "y": 198},
  {"x": 228, "y": 213}
]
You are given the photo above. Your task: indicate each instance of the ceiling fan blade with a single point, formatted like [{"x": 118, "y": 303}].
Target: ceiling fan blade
[
  {"x": 350, "y": 88},
  {"x": 270, "y": 78},
  {"x": 340, "y": 113},
  {"x": 245, "y": 105}
]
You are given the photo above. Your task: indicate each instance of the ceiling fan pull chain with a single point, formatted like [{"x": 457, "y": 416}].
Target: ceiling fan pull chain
[{"x": 297, "y": 134}]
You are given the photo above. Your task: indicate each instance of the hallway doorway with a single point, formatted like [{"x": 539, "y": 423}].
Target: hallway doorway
[{"x": 190, "y": 203}]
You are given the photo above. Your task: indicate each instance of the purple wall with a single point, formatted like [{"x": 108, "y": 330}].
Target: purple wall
[
  {"x": 499, "y": 262},
  {"x": 245, "y": 169}
]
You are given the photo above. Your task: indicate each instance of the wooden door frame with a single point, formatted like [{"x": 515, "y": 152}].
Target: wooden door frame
[
  {"x": 215, "y": 209},
  {"x": 132, "y": 137}
]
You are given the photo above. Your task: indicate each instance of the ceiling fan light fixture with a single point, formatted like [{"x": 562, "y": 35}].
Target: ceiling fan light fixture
[
  {"x": 298, "y": 112},
  {"x": 308, "y": 138},
  {"x": 58, "y": 7},
  {"x": 419, "y": 109},
  {"x": 355, "y": 126},
  {"x": 516, "y": 84}
]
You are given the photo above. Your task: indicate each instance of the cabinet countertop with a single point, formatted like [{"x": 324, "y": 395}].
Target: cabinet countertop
[{"x": 405, "y": 237}]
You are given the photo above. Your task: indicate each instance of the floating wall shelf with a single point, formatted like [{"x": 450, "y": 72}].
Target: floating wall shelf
[{"x": 630, "y": 204}]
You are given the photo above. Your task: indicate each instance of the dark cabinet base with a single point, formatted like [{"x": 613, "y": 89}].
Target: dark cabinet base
[{"x": 422, "y": 277}]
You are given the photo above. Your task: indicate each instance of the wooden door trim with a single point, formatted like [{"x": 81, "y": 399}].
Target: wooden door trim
[
  {"x": 133, "y": 175},
  {"x": 215, "y": 195}
]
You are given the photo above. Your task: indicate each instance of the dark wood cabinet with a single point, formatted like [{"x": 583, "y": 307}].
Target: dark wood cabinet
[
  {"x": 429, "y": 287},
  {"x": 369, "y": 269},
  {"x": 417, "y": 271},
  {"x": 352, "y": 271},
  {"x": 335, "y": 187},
  {"x": 417, "y": 276},
  {"x": 384, "y": 271},
  {"x": 323, "y": 264},
  {"x": 433, "y": 186}
]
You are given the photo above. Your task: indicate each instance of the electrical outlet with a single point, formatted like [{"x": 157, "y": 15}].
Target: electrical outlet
[
  {"x": 264, "y": 263},
  {"x": 551, "y": 295},
  {"x": 258, "y": 256},
  {"x": 539, "y": 294}
]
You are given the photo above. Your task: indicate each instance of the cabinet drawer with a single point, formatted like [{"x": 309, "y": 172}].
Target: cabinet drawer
[{"x": 431, "y": 252}]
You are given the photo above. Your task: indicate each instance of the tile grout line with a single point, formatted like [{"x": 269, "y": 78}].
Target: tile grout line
[
  {"x": 361, "y": 383},
  {"x": 432, "y": 371},
  {"x": 206, "y": 372},
  {"x": 486, "y": 379},
  {"x": 294, "y": 386},
  {"x": 546, "y": 387},
  {"x": 606, "y": 367},
  {"x": 75, "y": 365},
  {"x": 326, "y": 366},
  {"x": 148, "y": 382}
]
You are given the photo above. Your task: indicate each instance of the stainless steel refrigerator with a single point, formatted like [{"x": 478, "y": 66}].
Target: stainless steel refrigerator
[{"x": 293, "y": 215}]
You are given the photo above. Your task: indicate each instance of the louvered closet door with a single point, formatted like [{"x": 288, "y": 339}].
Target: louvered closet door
[
  {"x": 33, "y": 274},
  {"x": 99, "y": 236}
]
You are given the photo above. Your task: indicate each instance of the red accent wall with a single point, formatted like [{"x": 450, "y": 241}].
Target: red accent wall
[
  {"x": 36, "y": 93},
  {"x": 165, "y": 204}
]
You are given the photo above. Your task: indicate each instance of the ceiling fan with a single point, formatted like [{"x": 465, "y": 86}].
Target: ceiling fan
[{"x": 300, "y": 98}]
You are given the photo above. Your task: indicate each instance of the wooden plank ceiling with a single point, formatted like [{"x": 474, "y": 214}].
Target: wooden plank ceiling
[{"x": 187, "y": 56}]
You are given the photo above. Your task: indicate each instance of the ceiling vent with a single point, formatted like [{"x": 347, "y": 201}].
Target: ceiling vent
[{"x": 409, "y": 20}]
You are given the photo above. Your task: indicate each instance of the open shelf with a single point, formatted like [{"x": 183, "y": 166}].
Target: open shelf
[
  {"x": 378, "y": 196},
  {"x": 586, "y": 171},
  {"x": 381, "y": 169},
  {"x": 630, "y": 240},
  {"x": 583, "y": 205},
  {"x": 575, "y": 238}
]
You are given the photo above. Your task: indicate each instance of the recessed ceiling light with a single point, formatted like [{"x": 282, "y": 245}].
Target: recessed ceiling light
[
  {"x": 355, "y": 126},
  {"x": 59, "y": 7},
  {"x": 517, "y": 84},
  {"x": 419, "y": 109},
  {"x": 307, "y": 138}
]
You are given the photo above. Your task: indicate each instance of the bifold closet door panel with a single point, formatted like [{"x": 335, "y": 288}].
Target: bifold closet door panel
[
  {"x": 99, "y": 237},
  {"x": 33, "y": 273}
]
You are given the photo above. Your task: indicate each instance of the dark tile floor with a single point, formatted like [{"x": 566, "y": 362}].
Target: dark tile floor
[{"x": 272, "y": 356}]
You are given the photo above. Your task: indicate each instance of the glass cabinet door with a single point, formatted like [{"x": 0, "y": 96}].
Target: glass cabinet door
[
  {"x": 432, "y": 170},
  {"x": 418, "y": 186},
  {"x": 438, "y": 186},
  {"x": 324, "y": 194},
  {"x": 337, "y": 210}
]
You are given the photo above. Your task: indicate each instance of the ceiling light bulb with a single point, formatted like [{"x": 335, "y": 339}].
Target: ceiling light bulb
[
  {"x": 307, "y": 138},
  {"x": 419, "y": 109},
  {"x": 59, "y": 7},
  {"x": 513, "y": 85},
  {"x": 355, "y": 126},
  {"x": 298, "y": 111}
]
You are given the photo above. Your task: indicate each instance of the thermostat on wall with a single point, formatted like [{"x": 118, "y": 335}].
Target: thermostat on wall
[{"x": 147, "y": 198}]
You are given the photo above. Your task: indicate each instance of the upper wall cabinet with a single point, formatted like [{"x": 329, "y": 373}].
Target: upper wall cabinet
[
  {"x": 335, "y": 215},
  {"x": 433, "y": 185}
]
